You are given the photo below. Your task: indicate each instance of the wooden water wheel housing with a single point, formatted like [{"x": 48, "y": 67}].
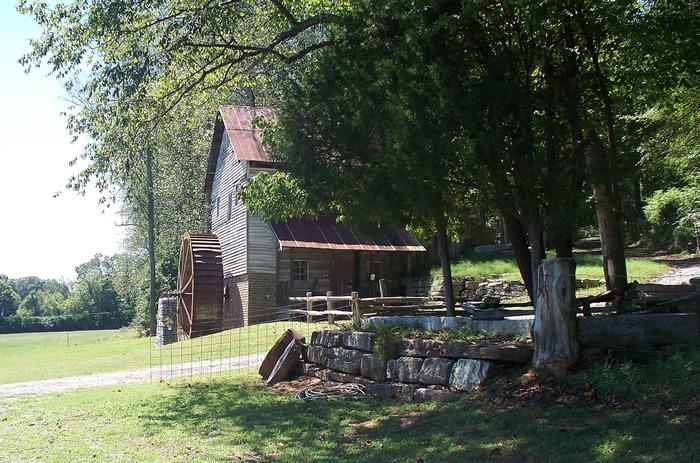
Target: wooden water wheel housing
[{"x": 200, "y": 286}]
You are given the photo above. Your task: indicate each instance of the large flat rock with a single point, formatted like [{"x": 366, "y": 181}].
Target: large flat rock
[
  {"x": 435, "y": 371},
  {"x": 403, "y": 392},
  {"x": 468, "y": 374},
  {"x": 327, "y": 338},
  {"x": 519, "y": 325},
  {"x": 338, "y": 358},
  {"x": 404, "y": 369},
  {"x": 503, "y": 352},
  {"x": 373, "y": 367},
  {"x": 358, "y": 340}
]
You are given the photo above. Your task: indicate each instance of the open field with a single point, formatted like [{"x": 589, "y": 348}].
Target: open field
[
  {"x": 236, "y": 420},
  {"x": 34, "y": 356}
]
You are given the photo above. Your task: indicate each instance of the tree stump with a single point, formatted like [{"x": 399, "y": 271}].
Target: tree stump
[{"x": 554, "y": 330}]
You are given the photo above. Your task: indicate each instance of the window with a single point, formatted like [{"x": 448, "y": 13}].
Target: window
[
  {"x": 235, "y": 194},
  {"x": 230, "y": 206},
  {"x": 375, "y": 271},
  {"x": 217, "y": 206},
  {"x": 301, "y": 270}
]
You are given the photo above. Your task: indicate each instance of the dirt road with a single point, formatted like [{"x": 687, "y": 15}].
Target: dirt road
[
  {"x": 155, "y": 373},
  {"x": 681, "y": 272}
]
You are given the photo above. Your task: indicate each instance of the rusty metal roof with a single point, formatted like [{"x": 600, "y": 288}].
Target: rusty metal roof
[
  {"x": 325, "y": 233},
  {"x": 245, "y": 139}
]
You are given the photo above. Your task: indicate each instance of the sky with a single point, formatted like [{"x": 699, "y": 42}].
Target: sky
[{"x": 39, "y": 234}]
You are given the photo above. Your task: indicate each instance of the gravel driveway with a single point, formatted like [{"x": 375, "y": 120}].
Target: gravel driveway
[{"x": 155, "y": 373}]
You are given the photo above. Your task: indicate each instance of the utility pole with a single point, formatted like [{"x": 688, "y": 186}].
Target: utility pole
[{"x": 152, "y": 295}]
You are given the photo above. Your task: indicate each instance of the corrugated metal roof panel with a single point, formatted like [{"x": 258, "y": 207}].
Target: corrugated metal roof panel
[
  {"x": 245, "y": 139},
  {"x": 326, "y": 233}
]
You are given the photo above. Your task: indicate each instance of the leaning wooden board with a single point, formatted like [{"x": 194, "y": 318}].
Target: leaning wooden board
[
  {"x": 286, "y": 363},
  {"x": 273, "y": 356}
]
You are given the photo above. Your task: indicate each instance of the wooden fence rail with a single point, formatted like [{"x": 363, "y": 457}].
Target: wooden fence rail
[{"x": 649, "y": 297}]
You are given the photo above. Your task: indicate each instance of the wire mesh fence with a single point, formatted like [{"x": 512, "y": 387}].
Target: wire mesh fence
[{"x": 215, "y": 350}]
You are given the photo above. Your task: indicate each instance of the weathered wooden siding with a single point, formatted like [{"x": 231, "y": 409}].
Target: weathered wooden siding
[
  {"x": 230, "y": 173},
  {"x": 262, "y": 244}
]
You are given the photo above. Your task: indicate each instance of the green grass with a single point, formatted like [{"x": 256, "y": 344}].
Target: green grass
[
  {"x": 587, "y": 266},
  {"x": 236, "y": 420},
  {"x": 33, "y": 356}
]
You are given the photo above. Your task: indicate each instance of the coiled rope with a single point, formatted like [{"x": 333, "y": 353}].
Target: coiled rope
[{"x": 325, "y": 392}]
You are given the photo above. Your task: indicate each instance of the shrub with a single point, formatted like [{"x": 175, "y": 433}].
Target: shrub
[{"x": 670, "y": 214}]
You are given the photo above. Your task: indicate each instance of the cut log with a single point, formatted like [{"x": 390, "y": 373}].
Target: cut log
[
  {"x": 637, "y": 330},
  {"x": 273, "y": 356},
  {"x": 286, "y": 363},
  {"x": 554, "y": 329}
]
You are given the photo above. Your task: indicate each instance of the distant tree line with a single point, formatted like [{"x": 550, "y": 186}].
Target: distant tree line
[{"x": 100, "y": 297}]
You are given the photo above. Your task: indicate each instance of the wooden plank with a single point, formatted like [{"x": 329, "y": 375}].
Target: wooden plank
[
  {"x": 665, "y": 289},
  {"x": 320, "y": 313},
  {"x": 321, "y": 298},
  {"x": 286, "y": 363},
  {"x": 277, "y": 350}
]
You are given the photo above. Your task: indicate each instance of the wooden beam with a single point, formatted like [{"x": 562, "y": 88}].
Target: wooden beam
[
  {"x": 330, "y": 307},
  {"x": 356, "y": 310},
  {"x": 309, "y": 307}
]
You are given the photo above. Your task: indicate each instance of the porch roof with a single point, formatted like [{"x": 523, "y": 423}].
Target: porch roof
[{"x": 325, "y": 233}]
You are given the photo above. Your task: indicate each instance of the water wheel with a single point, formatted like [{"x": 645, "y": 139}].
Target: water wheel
[{"x": 200, "y": 286}]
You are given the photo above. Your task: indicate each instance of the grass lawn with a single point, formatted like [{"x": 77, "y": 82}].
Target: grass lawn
[
  {"x": 587, "y": 266},
  {"x": 235, "y": 420},
  {"x": 32, "y": 356}
]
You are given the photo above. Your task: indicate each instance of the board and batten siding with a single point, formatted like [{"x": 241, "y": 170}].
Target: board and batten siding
[
  {"x": 262, "y": 243},
  {"x": 232, "y": 233}
]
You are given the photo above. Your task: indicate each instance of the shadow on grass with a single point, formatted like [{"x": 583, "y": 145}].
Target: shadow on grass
[{"x": 247, "y": 423}]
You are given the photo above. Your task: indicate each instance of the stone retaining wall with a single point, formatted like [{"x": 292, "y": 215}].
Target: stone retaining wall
[
  {"x": 516, "y": 325},
  {"x": 425, "y": 369}
]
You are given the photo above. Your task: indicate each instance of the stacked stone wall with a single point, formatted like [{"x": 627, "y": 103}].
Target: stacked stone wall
[{"x": 424, "y": 369}]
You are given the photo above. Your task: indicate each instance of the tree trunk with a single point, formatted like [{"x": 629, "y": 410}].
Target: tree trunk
[
  {"x": 444, "y": 251},
  {"x": 603, "y": 167},
  {"x": 554, "y": 329},
  {"x": 518, "y": 240},
  {"x": 609, "y": 215},
  {"x": 152, "y": 293},
  {"x": 537, "y": 251}
]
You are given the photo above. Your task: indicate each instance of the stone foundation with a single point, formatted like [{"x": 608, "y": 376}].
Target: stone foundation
[{"x": 166, "y": 328}]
